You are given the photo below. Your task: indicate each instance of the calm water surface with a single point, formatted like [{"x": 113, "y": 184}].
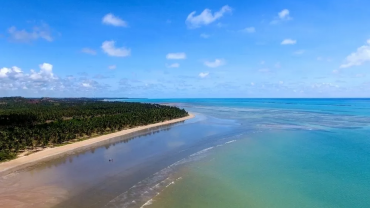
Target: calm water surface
[
  {"x": 236, "y": 153},
  {"x": 291, "y": 153}
]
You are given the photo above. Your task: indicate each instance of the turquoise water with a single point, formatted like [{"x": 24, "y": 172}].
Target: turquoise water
[
  {"x": 287, "y": 153},
  {"x": 254, "y": 153}
]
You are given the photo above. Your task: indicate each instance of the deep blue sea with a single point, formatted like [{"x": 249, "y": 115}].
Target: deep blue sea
[{"x": 279, "y": 153}]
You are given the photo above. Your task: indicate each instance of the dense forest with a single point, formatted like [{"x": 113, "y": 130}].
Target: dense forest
[{"x": 26, "y": 124}]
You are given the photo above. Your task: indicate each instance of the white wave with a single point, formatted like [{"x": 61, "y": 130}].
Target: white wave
[
  {"x": 152, "y": 186},
  {"x": 170, "y": 184},
  {"x": 201, "y": 152},
  {"x": 149, "y": 202},
  {"x": 230, "y": 141}
]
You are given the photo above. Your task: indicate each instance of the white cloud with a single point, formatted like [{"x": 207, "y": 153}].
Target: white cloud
[
  {"x": 88, "y": 51},
  {"x": 13, "y": 81},
  {"x": 249, "y": 30},
  {"x": 203, "y": 74},
  {"x": 176, "y": 56},
  {"x": 288, "y": 42},
  {"x": 283, "y": 15},
  {"x": 4, "y": 72},
  {"x": 86, "y": 84},
  {"x": 39, "y": 32},
  {"x": 206, "y": 17},
  {"x": 14, "y": 77},
  {"x": 110, "y": 49},
  {"x": 112, "y": 67},
  {"x": 203, "y": 35},
  {"x": 359, "y": 57},
  {"x": 174, "y": 65},
  {"x": 110, "y": 19},
  {"x": 215, "y": 63},
  {"x": 10, "y": 72},
  {"x": 299, "y": 52},
  {"x": 45, "y": 73}
]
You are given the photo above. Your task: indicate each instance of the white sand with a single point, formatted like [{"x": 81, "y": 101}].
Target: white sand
[{"x": 49, "y": 153}]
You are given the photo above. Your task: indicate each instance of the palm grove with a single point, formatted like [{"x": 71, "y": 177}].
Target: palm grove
[{"x": 30, "y": 123}]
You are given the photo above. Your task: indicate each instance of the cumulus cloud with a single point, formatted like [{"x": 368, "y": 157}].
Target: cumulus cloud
[
  {"x": 13, "y": 72},
  {"x": 283, "y": 15},
  {"x": 215, "y": 63},
  {"x": 15, "y": 78},
  {"x": 288, "y": 42},
  {"x": 206, "y": 17},
  {"x": 249, "y": 30},
  {"x": 174, "y": 65},
  {"x": 38, "y": 32},
  {"x": 88, "y": 51},
  {"x": 14, "y": 81},
  {"x": 203, "y": 74},
  {"x": 110, "y": 49},
  {"x": 176, "y": 56},
  {"x": 358, "y": 57},
  {"x": 45, "y": 73},
  {"x": 110, "y": 19}
]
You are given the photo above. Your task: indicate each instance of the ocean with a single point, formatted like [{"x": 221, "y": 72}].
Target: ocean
[
  {"x": 250, "y": 153},
  {"x": 287, "y": 153}
]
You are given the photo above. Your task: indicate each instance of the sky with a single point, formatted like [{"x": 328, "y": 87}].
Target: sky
[{"x": 185, "y": 48}]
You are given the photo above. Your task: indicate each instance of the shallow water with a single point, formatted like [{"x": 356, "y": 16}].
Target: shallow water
[
  {"x": 236, "y": 153},
  {"x": 88, "y": 179},
  {"x": 314, "y": 154},
  {"x": 277, "y": 169}
]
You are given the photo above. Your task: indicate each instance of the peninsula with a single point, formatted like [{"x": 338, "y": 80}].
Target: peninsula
[{"x": 47, "y": 127}]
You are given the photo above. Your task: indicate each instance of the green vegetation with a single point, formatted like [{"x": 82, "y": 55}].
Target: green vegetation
[{"x": 26, "y": 124}]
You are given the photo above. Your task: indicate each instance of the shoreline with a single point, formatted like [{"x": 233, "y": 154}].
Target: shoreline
[{"x": 51, "y": 153}]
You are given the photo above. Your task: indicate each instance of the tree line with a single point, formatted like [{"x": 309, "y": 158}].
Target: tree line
[{"x": 29, "y": 123}]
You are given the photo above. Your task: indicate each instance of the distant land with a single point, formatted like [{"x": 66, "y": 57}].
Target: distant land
[{"x": 31, "y": 124}]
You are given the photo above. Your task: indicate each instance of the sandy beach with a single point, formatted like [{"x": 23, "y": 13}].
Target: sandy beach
[{"x": 50, "y": 153}]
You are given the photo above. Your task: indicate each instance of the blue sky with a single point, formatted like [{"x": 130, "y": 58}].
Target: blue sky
[{"x": 170, "y": 49}]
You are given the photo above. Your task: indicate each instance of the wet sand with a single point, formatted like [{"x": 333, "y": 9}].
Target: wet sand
[
  {"x": 143, "y": 164},
  {"x": 50, "y": 153}
]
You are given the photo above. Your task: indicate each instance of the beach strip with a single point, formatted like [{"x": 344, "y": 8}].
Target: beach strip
[{"x": 50, "y": 153}]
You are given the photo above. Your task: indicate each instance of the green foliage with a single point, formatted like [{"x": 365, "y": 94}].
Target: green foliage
[
  {"x": 7, "y": 155},
  {"x": 29, "y": 123}
]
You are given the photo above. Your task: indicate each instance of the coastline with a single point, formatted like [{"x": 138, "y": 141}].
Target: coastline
[{"x": 50, "y": 153}]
